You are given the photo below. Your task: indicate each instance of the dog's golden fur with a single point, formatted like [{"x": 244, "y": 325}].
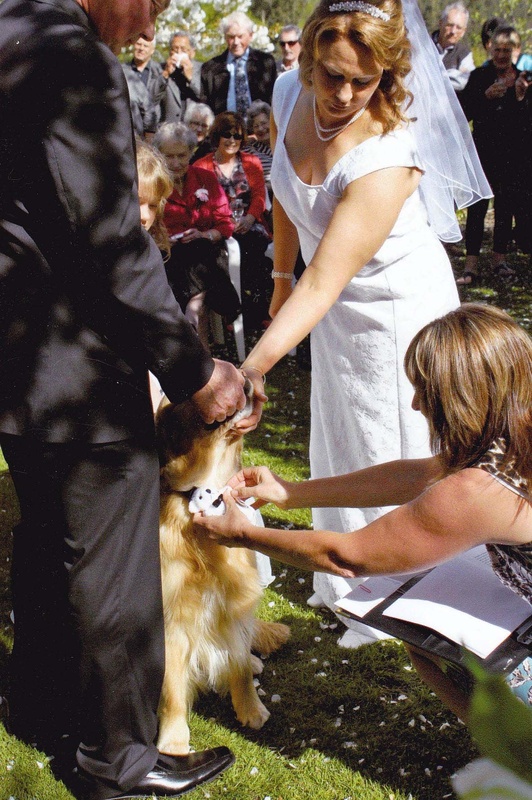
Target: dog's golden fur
[{"x": 210, "y": 592}]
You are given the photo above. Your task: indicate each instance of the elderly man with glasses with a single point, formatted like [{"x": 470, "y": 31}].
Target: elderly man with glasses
[
  {"x": 454, "y": 52},
  {"x": 183, "y": 75},
  {"x": 86, "y": 311},
  {"x": 290, "y": 45}
]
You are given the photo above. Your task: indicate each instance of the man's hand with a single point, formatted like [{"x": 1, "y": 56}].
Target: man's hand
[
  {"x": 223, "y": 395},
  {"x": 248, "y": 424}
]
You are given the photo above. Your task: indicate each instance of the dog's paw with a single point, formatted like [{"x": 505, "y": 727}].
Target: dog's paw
[
  {"x": 257, "y": 664},
  {"x": 254, "y": 717},
  {"x": 269, "y": 636}
]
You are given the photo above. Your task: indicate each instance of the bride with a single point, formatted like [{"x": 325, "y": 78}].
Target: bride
[{"x": 352, "y": 177}]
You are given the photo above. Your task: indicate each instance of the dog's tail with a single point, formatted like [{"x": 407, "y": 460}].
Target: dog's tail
[{"x": 268, "y": 636}]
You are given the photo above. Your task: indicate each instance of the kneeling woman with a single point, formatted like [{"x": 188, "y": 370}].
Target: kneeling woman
[
  {"x": 471, "y": 376},
  {"x": 198, "y": 219}
]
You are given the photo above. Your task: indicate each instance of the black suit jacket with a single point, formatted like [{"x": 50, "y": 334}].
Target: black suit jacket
[
  {"x": 85, "y": 307},
  {"x": 261, "y": 72}
]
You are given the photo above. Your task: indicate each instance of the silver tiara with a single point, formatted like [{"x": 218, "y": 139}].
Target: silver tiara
[{"x": 359, "y": 5}]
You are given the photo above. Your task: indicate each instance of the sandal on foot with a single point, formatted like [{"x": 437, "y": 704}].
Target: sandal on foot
[
  {"x": 502, "y": 270},
  {"x": 468, "y": 279}
]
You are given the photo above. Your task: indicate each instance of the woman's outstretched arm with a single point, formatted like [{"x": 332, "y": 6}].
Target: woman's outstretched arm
[
  {"x": 389, "y": 484},
  {"x": 458, "y": 512}
]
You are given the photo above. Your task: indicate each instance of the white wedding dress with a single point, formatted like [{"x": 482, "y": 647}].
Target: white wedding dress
[{"x": 360, "y": 398}]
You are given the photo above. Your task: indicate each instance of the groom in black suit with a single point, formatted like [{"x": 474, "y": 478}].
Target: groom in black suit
[
  {"x": 218, "y": 74},
  {"x": 85, "y": 312}
]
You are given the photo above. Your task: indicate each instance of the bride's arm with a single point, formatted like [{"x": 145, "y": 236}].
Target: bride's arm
[
  {"x": 284, "y": 257},
  {"x": 358, "y": 228},
  {"x": 286, "y": 244}
]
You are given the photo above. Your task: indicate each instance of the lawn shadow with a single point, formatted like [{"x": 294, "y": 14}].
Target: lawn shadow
[{"x": 364, "y": 707}]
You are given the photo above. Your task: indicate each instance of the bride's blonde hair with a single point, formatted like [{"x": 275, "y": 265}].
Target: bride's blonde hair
[{"x": 385, "y": 39}]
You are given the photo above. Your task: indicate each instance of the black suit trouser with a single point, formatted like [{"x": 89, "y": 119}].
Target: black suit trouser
[{"x": 88, "y": 656}]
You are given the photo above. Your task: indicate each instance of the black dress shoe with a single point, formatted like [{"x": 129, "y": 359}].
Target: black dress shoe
[{"x": 172, "y": 776}]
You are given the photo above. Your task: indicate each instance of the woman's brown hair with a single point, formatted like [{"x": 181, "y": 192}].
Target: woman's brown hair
[
  {"x": 153, "y": 172},
  {"x": 472, "y": 372},
  {"x": 226, "y": 122},
  {"x": 385, "y": 40}
]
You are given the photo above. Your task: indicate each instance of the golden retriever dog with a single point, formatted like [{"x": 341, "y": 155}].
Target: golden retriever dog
[{"x": 210, "y": 592}]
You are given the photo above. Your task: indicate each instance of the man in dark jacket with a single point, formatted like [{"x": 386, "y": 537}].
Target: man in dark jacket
[
  {"x": 146, "y": 86},
  {"x": 241, "y": 74},
  {"x": 183, "y": 76},
  {"x": 85, "y": 312}
]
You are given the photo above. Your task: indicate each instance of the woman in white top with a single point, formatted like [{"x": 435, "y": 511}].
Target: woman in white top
[{"x": 345, "y": 176}]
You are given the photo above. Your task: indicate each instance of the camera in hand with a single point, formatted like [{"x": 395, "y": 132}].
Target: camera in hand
[{"x": 528, "y": 76}]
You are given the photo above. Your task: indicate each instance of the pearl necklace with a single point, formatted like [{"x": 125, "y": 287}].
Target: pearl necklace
[{"x": 320, "y": 130}]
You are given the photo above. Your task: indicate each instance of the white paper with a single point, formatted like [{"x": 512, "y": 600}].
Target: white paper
[
  {"x": 369, "y": 594},
  {"x": 465, "y": 602}
]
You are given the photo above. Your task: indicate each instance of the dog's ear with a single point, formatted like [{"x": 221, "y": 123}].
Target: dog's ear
[{"x": 176, "y": 426}]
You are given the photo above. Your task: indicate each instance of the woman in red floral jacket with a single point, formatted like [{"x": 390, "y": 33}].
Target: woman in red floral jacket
[
  {"x": 242, "y": 178},
  {"x": 198, "y": 219}
]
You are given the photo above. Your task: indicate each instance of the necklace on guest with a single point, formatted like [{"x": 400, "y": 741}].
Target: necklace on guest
[{"x": 332, "y": 132}]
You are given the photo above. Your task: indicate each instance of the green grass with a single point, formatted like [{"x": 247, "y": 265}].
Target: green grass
[{"x": 348, "y": 723}]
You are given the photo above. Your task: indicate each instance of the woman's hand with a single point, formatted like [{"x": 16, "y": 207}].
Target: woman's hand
[
  {"x": 191, "y": 234},
  {"x": 282, "y": 290},
  {"x": 229, "y": 529},
  {"x": 521, "y": 86},
  {"x": 496, "y": 90},
  {"x": 260, "y": 483},
  {"x": 243, "y": 225}
]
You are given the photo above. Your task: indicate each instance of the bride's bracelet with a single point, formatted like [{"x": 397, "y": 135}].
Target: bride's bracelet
[
  {"x": 286, "y": 275},
  {"x": 243, "y": 370}
]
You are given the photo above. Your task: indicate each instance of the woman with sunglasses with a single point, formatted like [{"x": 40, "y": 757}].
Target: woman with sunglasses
[{"x": 241, "y": 176}]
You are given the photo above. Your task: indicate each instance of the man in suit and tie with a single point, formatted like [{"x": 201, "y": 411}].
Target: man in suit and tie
[
  {"x": 183, "y": 76},
  {"x": 85, "y": 312},
  {"x": 239, "y": 75}
]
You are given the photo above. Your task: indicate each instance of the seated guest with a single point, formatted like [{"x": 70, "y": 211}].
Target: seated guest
[
  {"x": 241, "y": 177},
  {"x": 470, "y": 373},
  {"x": 199, "y": 118},
  {"x": 455, "y": 53},
  {"x": 198, "y": 219},
  {"x": 155, "y": 185},
  {"x": 258, "y": 124}
]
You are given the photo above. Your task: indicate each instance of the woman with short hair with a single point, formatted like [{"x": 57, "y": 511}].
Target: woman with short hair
[{"x": 198, "y": 219}]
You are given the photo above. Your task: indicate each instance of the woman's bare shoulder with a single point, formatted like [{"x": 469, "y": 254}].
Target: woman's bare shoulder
[{"x": 474, "y": 504}]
